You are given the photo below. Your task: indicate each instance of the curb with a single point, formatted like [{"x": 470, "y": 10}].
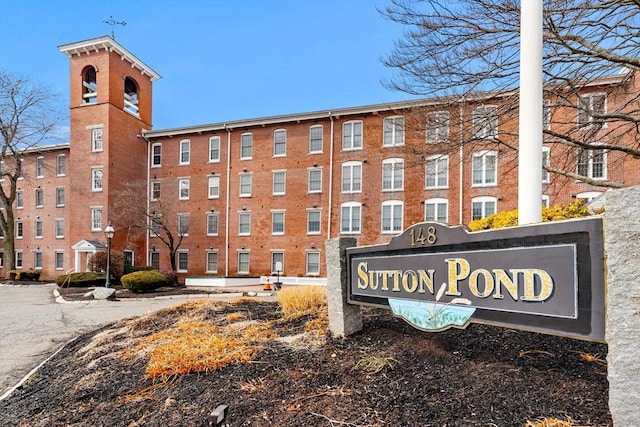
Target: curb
[{"x": 224, "y": 295}]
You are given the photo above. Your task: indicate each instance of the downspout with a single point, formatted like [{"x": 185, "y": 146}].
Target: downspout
[
  {"x": 330, "y": 179},
  {"x": 461, "y": 162},
  {"x": 227, "y": 207}
]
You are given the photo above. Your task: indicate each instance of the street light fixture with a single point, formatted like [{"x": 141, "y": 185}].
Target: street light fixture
[{"x": 109, "y": 232}]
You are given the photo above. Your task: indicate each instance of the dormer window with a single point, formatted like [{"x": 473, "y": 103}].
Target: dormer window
[
  {"x": 89, "y": 86},
  {"x": 131, "y": 96}
]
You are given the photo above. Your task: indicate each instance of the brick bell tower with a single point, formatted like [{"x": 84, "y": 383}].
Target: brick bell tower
[{"x": 110, "y": 105}]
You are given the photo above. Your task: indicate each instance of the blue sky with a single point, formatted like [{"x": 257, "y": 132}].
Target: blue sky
[{"x": 219, "y": 59}]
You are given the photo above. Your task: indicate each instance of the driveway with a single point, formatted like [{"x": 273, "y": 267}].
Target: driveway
[{"x": 33, "y": 326}]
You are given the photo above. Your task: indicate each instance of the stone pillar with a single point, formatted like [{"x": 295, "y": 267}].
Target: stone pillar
[
  {"x": 622, "y": 330},
  {"x": 344, "y": 319}
]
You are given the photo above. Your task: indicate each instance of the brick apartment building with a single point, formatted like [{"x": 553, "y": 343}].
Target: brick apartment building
[{"x": 246, "y": 194}]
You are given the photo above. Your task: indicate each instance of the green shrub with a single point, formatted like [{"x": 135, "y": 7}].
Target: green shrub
[
  {"x": 81, "y": 280},
  {"x": 98, "y": 263},
  {"x": 31, "y": 275},
  {"x": 143, "y": 281},
  {"x": 133, "y": 268}
]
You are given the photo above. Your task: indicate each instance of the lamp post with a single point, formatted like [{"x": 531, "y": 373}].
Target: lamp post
[{"x": 109, "y": 232}]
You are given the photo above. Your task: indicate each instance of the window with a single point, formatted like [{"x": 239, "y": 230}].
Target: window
[
  {"x": 592, "y": 163},
  {"x": 89, "y": 86},
  {"x": 393, "y": 131},
  {"x": 19, "y": 199},
  {"x": 213, "y": 187},
  {"x": 313, "y": 263},
  {"x": 280, "y": 143},
  {"x": 590, "y": 107},
  {"x": 19, "y": 229},
  {"x": 128, "y": 259},
  {"x": 314, "y": 180},
  {"x": 485, "y": 122},
  {"x": 246, "y": 146},
  {"x": 484, "y": 168},
  {"x": 279, "y": 178},
  {"x": 545, "y": 201},
  {"x": 39, "y": 197},
  {"x": 183, "y": 224},
  {"x": 131, "y": 96},
  {"x": 60, "y": 196},
  {"x": 156, "y": 155},
  {"x": 183, "y": 261},
  {"x": 1, "y": 258},
  {"x": 96, "y": 140},
  {"x": 277, "y": 223},
  {"x": 352, "y": 135},
  {"x": 244, "y": 223},
  {"x": 313, "y": 221},
  {"x": 392, "y": 175},
  {"x": 277, "y": 257},
  {"x": 96, "y": 179},
  {"x": 352, "y": 177},
  {"x": 588, "y": 196},
  {"x": 482, "y": 207},
  {"x": 185, "y": 152},
  {"x": 545, "y": 162},
  {"x": 20, "y": 171},
  {"x": 438, "y": 127},
  {"x": 243, "y": 262},
  {"x": 155, "y": 225},
  {"x": 59, "y": 225},
  {"x": 214, "y": 149},
  {"x": 212, "y": 224},
  {"x": 436, "y": 210},
  {"x": 212, "y": 262},
  {"x": 37, "y": 228},
  {"x": 245, "y": 185},
  {"x": 40, "y": 167},
  {"x": 154, "y": 259},
  {"x": 59, "y": 260},
  {"x": 546, "y": 115},
  {"x": 61, "y": 164},
  {"x": 437, "y": 172},
  {"x": 96, "y": 219},
  {"x": 156, "y": 187},
  {"x": 183, "y": 188},
  {"x": 350, "y": 218},
  {"x": 37, "y": 260},
  {"x": 315, "y": 139},
  {"x": 18, "y": 260},
  {"x": 392, "y": 216}
]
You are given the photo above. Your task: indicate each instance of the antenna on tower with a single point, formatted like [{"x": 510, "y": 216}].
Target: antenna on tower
[{"x": 111, "y": 22}]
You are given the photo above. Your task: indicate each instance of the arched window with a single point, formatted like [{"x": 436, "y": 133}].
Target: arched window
[
  {"x": 131, "y": 96},
  {"x": 89, "y": 86}
]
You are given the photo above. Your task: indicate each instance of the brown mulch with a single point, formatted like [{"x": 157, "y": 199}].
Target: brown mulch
[{"x": 481, "y": 376}]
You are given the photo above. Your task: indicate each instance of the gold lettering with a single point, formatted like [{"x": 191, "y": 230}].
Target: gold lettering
[
  {"x": 546, "y": 285},
  {"x": 396, "y": 280},
  {"x": 363, "y": 279},
  {"x": 458, "y": 270},
  {"x": 426, "y": 279},
  {"x": 410, "y": 281},
  {"x": 510, "y": 283},
  {"x": 488, "y": 283}
]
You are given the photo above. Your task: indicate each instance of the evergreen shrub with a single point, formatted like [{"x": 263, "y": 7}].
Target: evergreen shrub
[
  {"x": 143, "y": 281},
  {"x": 81, "y": 280}
]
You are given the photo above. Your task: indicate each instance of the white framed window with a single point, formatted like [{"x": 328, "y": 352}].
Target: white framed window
[
  {"x": 18, "y": 258},
  {"x": 314, "y": 180},
  {"x": 592, "y": 163},
  {"x": 352, "y": 177},
  {"x": 279, "y": 183},
  {"x": 277, "y": 256},
  {"x": 392, "y": 175},
  {"x": 59, "y": 260},
  {"x": 393, "y": 131},
  {"x": 37, "y": 228},
  {"x": 97, "y": 140},
  {"x": 59, "y": 226},
  {"x": 155, "y": 189},
  {"x": 37, "y": 260},
  {"x": 483, "y": 206},
  {"x": 437, "y": 127},
  {"x": 546, "y": 115},
  {"x": 350, "y": 217},
  {"x": 545, "y": 162},
  {"x": 313, "y": 263},
  {"x": 484, "y": 168},
  {"x": 40, "y": 167},
  {"x": 156, "y": 155},
  {"x": 437, "y": 172},
  {"x": 214, "y": 149},
  {"x": 436, "y": 209},
  {"x": 352, "y": 135},
  {"x": 315, "y": 139},
  {"x": 213, "y": 185},
  {"x": 313, "y": 221},
  {"x": 154, "y": 259},
  {"x": 392, "y": 214},
  {"x": 19, "y": 199},
  {"x": 96, "y": 219},
  {"x": 545, "y": 201},
  {"x": 279, "y": 143},
  {"x": 244, "y": 223},
  {"x": 39, "y": 196},
  {"x": 246, "y": 146},
  {"x": 61, "y": 165},
  {"x": 243, "y": 262},
  {"x": 183, "y": 260},
  {"x": 184, "y": 186},
  {"x": 212, "y": 261},
  {"x": 183, "y": 224},
  {"x": 185, "y": 152},
  {"x": 89, "y": 86},
  {"x": 485, "y": 122},
  {"x": 277, "y": 223},
  {"x": 131, "y": 101},
  {"x": 212, "y": 224},
  {"x": 590, "y": 107},
  {"x": 155, "y": 225},
  {"x": 245, "y": 185},
  {"x": 96, "y": 179},
  {"x": 59, "y": 196}
]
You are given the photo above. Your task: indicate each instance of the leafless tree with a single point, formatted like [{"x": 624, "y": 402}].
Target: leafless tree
[
  {"x": 467, "y": 51},
  {"x": 29, "y": 116}
]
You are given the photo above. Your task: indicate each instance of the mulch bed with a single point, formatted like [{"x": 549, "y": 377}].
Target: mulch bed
[{"x": 481, "y": 376}]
